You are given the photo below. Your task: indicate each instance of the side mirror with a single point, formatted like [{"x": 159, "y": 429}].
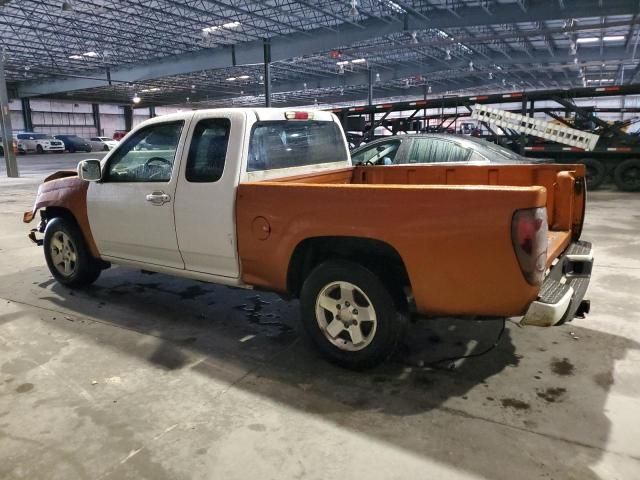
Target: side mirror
[{"x": 89, "y": 170}]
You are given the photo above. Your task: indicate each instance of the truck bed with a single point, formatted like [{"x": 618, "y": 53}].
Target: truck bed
[{"x": 450, "y": 225}]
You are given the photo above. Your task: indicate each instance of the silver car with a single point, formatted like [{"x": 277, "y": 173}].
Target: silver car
[{"x": 433, "y": 148}]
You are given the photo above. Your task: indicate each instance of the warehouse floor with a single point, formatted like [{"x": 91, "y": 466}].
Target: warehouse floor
[{"x": 147, "y": 376}]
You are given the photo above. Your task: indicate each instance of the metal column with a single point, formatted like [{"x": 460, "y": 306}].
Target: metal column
[
  {"x": 95, "y": 109},
  {"x": 372, "y": 115},
  {"x": 267, "y": 72},
  {"x": 26, "y": 114},
  {"x": 128, "y": 117},
  {"x": 152, "y": 111},
  {"x": 5, "y": 126}
]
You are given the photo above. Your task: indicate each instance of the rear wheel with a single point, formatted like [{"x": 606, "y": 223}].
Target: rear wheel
[
  {"x": 627, "y": 175},
  {"x": 349, "y": 315},
  {"x": 67, "y": 255},
  {"x": 39, "y": 149},
  {"x": 596, "y": 173}
]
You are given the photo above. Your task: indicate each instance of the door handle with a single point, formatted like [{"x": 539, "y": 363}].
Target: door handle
[{"x": 158, "y": 198}]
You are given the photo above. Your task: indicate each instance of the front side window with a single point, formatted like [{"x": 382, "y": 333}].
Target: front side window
[
  {"x": 147, "y": 156},
  {"x": 434, "y": 150},
  {"x": 292, "y": 143},
  {"x": 208, "y": 150},
  {"x": 383, "y": 153}
]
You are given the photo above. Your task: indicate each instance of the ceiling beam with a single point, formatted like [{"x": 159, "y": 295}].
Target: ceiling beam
[
  {"x": 299, "y": 44},
  {"x": 480, "y": 63}
]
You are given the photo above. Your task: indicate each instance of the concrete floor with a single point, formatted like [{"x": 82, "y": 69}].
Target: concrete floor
[{"x": 147, "y": 376}]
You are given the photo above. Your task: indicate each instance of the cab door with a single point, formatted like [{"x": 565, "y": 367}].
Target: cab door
[
  {"x": 206, "y": 193},
  {"x": 131, "y": 208}
]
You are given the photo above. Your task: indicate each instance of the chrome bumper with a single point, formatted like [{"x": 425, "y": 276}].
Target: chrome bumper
[{"x": 562, "y": 293}]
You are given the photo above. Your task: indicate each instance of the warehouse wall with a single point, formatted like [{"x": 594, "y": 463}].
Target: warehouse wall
[
  {"x": 55, "y": 117},
  {"x": 111, "y": 119}
]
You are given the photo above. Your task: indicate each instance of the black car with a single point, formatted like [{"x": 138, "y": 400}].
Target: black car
[
  {"x": 74, "y": 143},
  {"x": 434, "y": 148}
]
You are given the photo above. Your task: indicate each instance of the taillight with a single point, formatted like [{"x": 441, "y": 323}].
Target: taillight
[{"x": 529, "y": 237}]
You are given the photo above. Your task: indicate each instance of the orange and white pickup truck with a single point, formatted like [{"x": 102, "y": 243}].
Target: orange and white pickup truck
[{"x": 269, "y": 199}]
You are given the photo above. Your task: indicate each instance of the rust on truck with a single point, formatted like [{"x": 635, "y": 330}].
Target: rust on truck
[
  {"x": 450, "y": 226},
  {"x": 65, "y": 190}
]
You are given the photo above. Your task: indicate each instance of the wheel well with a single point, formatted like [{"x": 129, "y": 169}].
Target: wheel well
[
  {"x": 53, "y": 212},
  {"x": 378, "y": 256}
]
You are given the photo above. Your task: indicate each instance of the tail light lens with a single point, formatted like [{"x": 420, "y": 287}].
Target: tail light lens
[{"x": 529, "y": 237}]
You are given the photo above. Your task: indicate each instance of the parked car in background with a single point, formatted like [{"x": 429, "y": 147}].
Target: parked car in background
[
  {"x": 103, "y": 143},
  {"x": 119, "y": 134},
  {"x": 434, "y": 148},
  {"x": 74, "y": 143},
  {"x": 37, "y": 142}
]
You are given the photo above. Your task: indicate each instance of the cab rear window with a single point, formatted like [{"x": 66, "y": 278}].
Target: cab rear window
[{"x": 284, "y": 144}]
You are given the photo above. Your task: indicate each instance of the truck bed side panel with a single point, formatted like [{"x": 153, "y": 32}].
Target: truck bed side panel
[{"x": 455, "y": 241}]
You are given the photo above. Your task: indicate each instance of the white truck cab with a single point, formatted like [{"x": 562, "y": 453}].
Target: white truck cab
[{"x": 165, "y": 196}]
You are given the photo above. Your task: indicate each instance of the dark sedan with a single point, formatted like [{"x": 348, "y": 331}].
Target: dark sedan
[
  {"x": 74, "y": 143},
  {"x": 433, "y": 148}
]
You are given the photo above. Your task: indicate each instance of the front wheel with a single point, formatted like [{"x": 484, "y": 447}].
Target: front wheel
[
  {"x": 67, "y": 255},
  {"x": 39, "y": 149},
  {"x": 350, "y": 315}
]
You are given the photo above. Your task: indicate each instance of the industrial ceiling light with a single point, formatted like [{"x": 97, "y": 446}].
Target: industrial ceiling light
[
  {"x": 588, "y": 40},
  {"x": 353, "y": 11},
  {"x": 207, "y": 30},
  {"x": 471, "y": 66},
  {"x": 359, "y": 60},
  {"x": 429, "y": 89},
  {"x": 414, "y": 37},
  {"x": 231, "y": 79},
  {"x": 377, "y": 77},
  {"x": 244, "y": 77},
  {"x": 613, "y": 38},
  {"x": 136, "y": 99},
  {"x": 573, "y": 48},
  {"x": 90, "y": 54},
  {"x": 490, "y": 75},
  {"x": 448, "y": 55},
  {"x": 504, "y": 82}
]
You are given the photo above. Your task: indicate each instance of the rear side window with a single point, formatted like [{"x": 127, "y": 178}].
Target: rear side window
[
  {"x": 433, "y": 150},
  {"x": 208, "y": 150},
  {"x": 292, "y": 143}
]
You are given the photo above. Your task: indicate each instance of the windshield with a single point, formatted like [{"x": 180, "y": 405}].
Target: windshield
[{"x": 287, "y": 143}]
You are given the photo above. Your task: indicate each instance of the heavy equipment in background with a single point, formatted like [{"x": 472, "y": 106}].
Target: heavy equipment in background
[{"x": 615, "y": 153}]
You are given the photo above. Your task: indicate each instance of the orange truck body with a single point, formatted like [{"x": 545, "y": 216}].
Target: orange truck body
[{"x": 450, "y": 225}]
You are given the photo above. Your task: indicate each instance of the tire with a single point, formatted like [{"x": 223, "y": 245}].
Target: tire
[
  {"x": 72, "y": 149},
  {"x": 105, "y": 148},
  {"x": 330, "y": 283},
  {"x": 627, "y": 175},
  {"x": 596, "y": 173},
  {"x": 39, "y": 149},
  {"x": 81, "y": 269}
]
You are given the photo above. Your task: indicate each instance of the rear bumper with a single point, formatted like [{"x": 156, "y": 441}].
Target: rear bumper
[{"x": 562, "y": 294}]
